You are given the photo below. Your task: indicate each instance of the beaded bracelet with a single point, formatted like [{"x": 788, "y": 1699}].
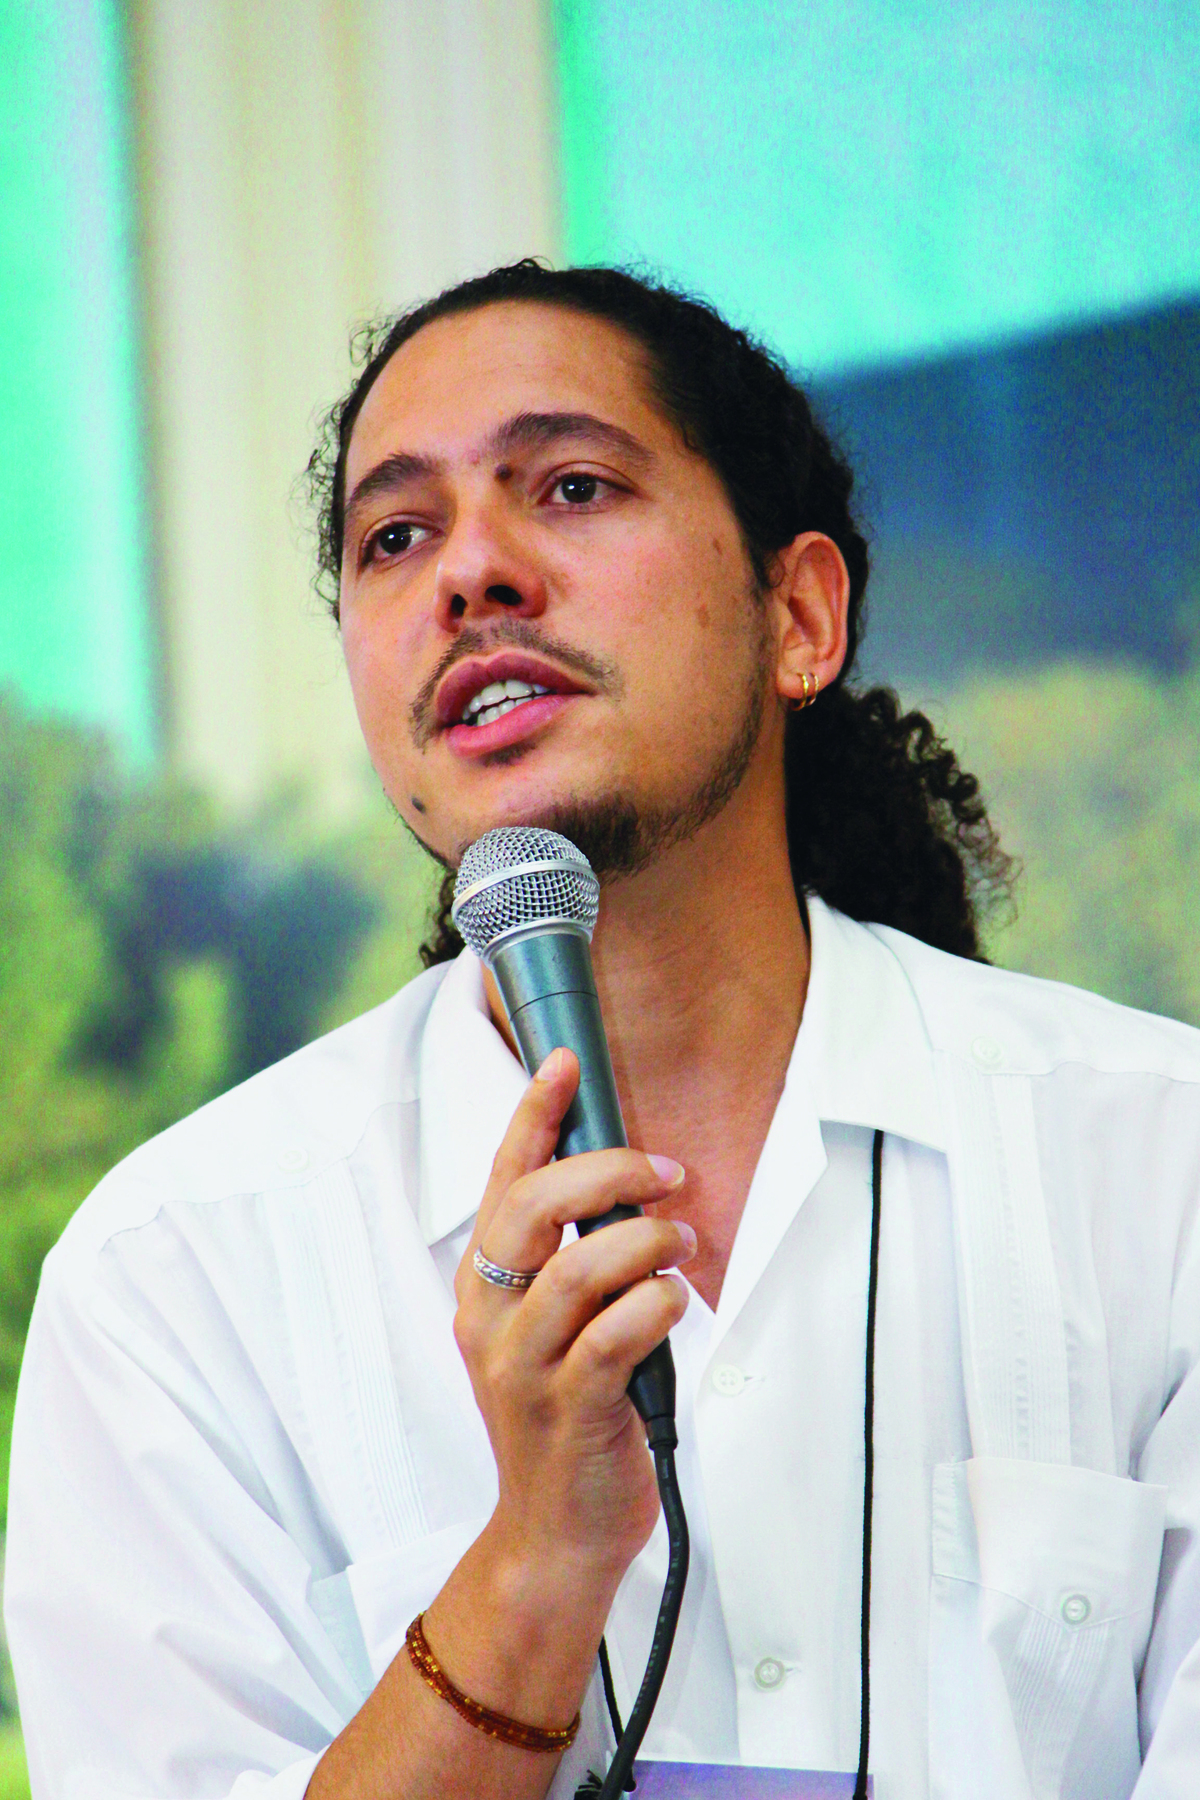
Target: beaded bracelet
[{"x": 492, "y": 1724}]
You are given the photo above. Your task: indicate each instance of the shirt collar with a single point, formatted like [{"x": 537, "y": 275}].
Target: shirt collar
[
  {"x": 470, "y": 1083},
  {"x": 862, "y": 1043},
  {"x": 862, "y": 1056}
]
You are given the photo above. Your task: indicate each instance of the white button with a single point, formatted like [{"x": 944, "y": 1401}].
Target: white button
[
  {"x": 1076, "y": 1608},
  {"x": 292, "y": 1160},
  {"x": 728, "y": 1379},
  {"x": 769, "y": 1673},
  {"x": 987, "y": 1052}
]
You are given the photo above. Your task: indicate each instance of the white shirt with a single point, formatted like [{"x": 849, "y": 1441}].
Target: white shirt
[{"x": 246, "y": 1452}]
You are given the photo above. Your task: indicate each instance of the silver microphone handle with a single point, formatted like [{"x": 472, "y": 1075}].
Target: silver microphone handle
[{"x": 545, "y": 979}]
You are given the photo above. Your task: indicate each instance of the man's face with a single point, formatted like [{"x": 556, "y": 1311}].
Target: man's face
[{"x": 545, "y": 600}]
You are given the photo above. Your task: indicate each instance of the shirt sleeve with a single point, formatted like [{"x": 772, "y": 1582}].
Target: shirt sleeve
[{"x": 160, "y": 1613}]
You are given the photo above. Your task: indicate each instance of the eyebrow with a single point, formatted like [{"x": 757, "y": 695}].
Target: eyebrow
[
  {"x": 536, "y": 430},
  {"x": 524, "y": 431}
]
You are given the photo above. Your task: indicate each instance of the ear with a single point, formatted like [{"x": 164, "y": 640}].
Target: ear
[{"x": 811, "y": 593}]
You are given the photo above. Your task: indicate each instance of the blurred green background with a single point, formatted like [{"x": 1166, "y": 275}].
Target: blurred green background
[{"x": 974, "y": 232}]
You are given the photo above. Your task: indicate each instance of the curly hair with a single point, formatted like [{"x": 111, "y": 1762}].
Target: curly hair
[{"x": 882, "y": 822}]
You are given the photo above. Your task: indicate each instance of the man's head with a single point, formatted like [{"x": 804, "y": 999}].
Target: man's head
[{"x": 580, "y": 482}]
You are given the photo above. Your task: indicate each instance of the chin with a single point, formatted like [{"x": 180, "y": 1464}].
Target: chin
[
  {"x": 518, "y": 809},
  {"x": 524, "y": 793}
]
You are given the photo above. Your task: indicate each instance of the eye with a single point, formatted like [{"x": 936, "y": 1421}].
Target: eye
[
  {"x": 393, "y": 540},
  {"x": 578, "y": 489}
]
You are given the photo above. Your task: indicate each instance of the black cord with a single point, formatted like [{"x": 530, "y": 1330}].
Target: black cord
[
  {"x": 620, "y": 1771},
  {"x": 614, "y": 1711},
  {"x": 864, "y": 1729}
]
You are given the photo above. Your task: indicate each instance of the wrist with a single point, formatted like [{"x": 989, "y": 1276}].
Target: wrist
[
  {"x": 552, "y": 1574},
  {"x": 518, "y": 1624},
  {"x": 492, "y": 1724}
]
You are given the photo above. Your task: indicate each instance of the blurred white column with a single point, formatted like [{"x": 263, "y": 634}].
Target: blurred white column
[{"x": 302, "y": 165}]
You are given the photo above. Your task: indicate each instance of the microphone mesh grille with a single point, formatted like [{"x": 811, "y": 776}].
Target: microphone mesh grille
[{"x": 517, "y": 895}]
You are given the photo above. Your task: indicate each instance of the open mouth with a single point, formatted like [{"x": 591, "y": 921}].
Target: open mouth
[
  {"x": 497, "y": 698},
  {"x": 479, "y": 692}
]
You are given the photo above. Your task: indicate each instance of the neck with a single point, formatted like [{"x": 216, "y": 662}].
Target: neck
[{"x": 701, "y": 966}]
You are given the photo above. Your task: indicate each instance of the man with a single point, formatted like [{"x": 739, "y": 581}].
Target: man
[{"x": 593, "y": 563}]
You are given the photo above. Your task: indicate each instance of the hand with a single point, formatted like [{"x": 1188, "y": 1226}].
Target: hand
[
  {"x": 518, "y": 1622},
  {"x": 550, "y": 1365}
]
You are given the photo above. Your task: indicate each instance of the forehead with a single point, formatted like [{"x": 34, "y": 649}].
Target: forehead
[{"x": 450, "y": 384}]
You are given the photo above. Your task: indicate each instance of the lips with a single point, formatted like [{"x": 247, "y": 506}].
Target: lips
[
  {"x": 474, "y": 674},
  {"x": 517, "y": 726}
]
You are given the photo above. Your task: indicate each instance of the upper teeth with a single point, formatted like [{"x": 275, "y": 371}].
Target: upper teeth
[{"x": 499, "y": 697}]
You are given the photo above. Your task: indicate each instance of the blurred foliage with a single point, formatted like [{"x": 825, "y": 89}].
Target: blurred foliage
[
  {"x": 1092, "y": 774},
  {"x": 152, "y": 955},
  {"x": 14, "y": 1778}
]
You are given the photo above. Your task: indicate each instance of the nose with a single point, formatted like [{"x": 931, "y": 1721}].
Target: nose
[{"x": 483, "y": 572}]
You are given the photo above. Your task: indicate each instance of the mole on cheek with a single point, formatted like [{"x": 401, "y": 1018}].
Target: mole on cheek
[
  {"x": 717, "y": 546},
  {"x": 418, "y": 805}
]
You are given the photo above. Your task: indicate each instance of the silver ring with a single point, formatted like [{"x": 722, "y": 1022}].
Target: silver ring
[{"x": 503, "y": 1278}]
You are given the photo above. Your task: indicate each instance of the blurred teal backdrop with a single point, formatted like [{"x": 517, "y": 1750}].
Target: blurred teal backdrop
[
  {"x": 975, "y": 230},
  {"x": 932, "y": 211},
  {"x": 76, "y": 632},
  {"x": 863, "y": 181}
]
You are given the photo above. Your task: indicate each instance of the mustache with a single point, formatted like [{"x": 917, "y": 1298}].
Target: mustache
[{"x": 519, "y": 634}]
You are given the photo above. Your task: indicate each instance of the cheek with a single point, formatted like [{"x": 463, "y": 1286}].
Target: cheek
[
  {"x": 678, "y": 584},
  {"x": 693, "y": 595},
  {"x": 376, "y": 654},
  {"x": 359, "y": 647},
  {"x": 692, "y": 655}
]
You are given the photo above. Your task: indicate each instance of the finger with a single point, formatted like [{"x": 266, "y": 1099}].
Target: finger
[
  {"x": 525, "y": 1228},
  {"x": 605, "y": 1354},
  {"x": 532, "y": 1135},
  {"x": 580, "y": 1280}
]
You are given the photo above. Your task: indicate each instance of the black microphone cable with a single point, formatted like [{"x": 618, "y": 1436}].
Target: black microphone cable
[
  {"x": 652, "y": 1390},
  {"x": 663, "y": 1441}
]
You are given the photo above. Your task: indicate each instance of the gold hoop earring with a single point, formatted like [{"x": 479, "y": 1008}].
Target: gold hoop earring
[{"x": 812, "y": 686}]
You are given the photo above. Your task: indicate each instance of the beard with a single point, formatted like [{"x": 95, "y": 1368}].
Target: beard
[
  {"x": 621, "y": 838},
  {"x": 618, "y": 836}
]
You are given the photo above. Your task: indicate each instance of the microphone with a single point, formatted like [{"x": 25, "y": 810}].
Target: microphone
[{"x": 526, "y": 900}]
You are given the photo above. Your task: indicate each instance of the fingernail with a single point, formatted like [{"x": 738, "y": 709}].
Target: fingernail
[
  {"x": 667, "y": 1169},
  {"x": 686, "y": 1233},
  {"x": 673, "y": 1275},
  {"x": 551, "y": 1068}
]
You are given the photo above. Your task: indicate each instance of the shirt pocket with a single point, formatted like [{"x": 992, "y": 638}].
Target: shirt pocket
[{"x": 1044, "y": 1578}]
